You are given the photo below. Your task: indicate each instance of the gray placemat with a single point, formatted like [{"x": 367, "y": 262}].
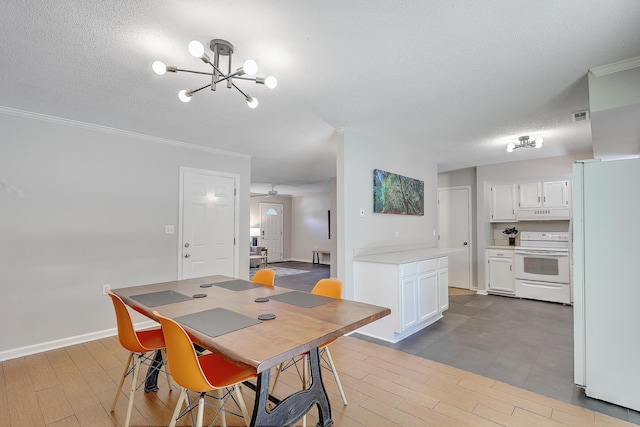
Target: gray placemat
[
  {"x": 302, "y": 299},
  {"x": 238, "y": 285},
  {"x": 155, "y": 299},
  {"x": 217, "y": 321}
]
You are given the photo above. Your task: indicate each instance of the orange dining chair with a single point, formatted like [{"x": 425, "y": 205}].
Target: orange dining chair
[
  {"x": 201, "y": 374},
  {"x": 265, "y": 276},
  {"x": 139, "y": 343},
  {"x": 329, "y": 288}
]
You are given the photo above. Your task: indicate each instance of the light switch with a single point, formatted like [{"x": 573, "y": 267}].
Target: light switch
[{"x": 168, "y": 229}]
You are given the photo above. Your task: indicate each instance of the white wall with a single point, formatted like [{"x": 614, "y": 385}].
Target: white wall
[
  {"x": 309, "y": 227},
  {"x": 358, "y": 155},
  {"x": 95, "y": 204}
]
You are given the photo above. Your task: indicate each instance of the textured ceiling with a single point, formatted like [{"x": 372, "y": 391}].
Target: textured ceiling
[{"x": 452, "y": 80}]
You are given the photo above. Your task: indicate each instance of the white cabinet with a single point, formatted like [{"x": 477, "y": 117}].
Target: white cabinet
[
  {"x": 427, "y": 292},
  {"x": 443, "y": 284},
  {"x": 556, "y": 194},
  {"x": 416, "y": 292},
  {"x": 500, "y": 275},
  {"x": 503, "y": 203},
  {"x": 546, "y": 194}
]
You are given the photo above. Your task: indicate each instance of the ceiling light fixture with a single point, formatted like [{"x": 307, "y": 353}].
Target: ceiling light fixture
[
  {"x": 525, "y": 142},
  {"x": 219, "y": 48}
]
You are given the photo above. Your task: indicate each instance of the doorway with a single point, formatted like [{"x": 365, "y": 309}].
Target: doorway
[
  {"x": 271, "y": 225},
  {"x": 454, "y": 224},
  {"x": 207, "y": 224}
]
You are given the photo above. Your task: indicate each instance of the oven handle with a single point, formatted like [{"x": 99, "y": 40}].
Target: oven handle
[{"x": 547, "y": 253}]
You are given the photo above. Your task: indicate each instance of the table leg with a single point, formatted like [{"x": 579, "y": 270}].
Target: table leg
[{"x": 295, "y": 406}]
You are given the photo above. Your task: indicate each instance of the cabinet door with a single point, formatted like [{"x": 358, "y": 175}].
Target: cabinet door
[
  {"x": 443, "y": 289},
  {"x": 555, "y": 194},
  {"x": 530, "y": 195},
  {"x": 409, "y": 307},
  {"x": 503, "y": 203},
  {"x": 427, "y": 295},
  {"x": 501, "y": 274}
]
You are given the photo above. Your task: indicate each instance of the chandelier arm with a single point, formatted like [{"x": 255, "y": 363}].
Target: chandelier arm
[
  {"x": 194, "y": 72},
  {"x": 253, "y": 79},
  {"x": 199, "y": 89},
  {"x": 240, "y": 90}
]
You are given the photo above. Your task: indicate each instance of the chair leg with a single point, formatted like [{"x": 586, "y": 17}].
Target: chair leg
[
  {"x": 134, "y": 383},
  {"x": 166, "y": 368},
  {"x": 275, "y": 381},
  {"x": 176, "y": 412},
  {"x": 124, "y": 374},
  {"x": 305, "y": 381},
  {"x": 243, "y": 407},
  {"x": 223, "y": 415},
  {"x": 335, "y": 375},
  {"x": 200, "y": 411}
]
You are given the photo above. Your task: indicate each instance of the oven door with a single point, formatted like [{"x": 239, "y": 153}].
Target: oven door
[{"x": 542, "y": 265}]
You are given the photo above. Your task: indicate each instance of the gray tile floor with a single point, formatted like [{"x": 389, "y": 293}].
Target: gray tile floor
[{"x": 528, "y": 344}]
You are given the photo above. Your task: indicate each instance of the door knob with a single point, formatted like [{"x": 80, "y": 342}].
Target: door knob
[
  {"x": 465, "y": 243},
  {"x": 186, "y": 245},
  {"x": 187, "y": 255}
]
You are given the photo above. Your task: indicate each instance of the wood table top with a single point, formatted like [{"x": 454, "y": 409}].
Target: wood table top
[{"x": 295, "y": 329}]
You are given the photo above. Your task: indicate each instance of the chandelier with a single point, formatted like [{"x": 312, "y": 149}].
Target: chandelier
[
  {"x": 525, "y": 142},
  {"x": 219, "y": 48}
]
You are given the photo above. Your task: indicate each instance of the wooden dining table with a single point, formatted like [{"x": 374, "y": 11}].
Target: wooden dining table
[{"x": 222, "y": 314}]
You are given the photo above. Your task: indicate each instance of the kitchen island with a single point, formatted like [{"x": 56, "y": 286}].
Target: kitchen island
[{"x": 413, "y": 282}]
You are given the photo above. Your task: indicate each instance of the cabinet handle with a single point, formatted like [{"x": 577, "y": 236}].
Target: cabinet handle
[
  {"x": 538, "y": 198},
  {"x": 510, "y": 268}
]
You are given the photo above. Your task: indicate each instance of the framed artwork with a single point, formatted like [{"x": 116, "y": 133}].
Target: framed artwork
[{"x": 397, "y": 194}]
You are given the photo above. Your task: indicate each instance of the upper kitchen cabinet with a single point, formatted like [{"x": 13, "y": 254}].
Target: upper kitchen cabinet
[
  {"x": 503, "y": 203},
  {"x": 547, "y": 194}
]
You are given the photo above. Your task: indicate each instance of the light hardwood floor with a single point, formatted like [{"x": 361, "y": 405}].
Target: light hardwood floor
[{"x": 74, "y": 386}]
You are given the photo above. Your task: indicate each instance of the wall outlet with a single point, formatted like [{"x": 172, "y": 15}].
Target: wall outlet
[
  {"x": 396, "y": 234},
  {"x": 168, "y": 229},
  {"x": 105, "y": 288}
]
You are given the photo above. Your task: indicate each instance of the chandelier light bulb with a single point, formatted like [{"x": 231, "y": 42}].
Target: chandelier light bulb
[
  {"x": 252, "y": 102},
  {"x": 510, "y": 147},
  {"x": 538, "y": 142},
  {"x": 196, "y": 48},
  {"x": 250, "y": 67},
  {"x": 184, "y": 96},
  {"x": 159, "y": 68},
  {"x": 271, "y": 82}
]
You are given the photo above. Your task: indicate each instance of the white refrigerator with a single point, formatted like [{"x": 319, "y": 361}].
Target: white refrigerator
[{"x": 606, "y": 250}]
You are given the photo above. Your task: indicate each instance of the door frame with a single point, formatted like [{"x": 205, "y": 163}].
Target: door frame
[
  {"x": 236, "y": 216},
  {"x": 469, "y": 226}
]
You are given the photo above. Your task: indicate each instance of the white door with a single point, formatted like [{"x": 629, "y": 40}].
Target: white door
[
  {"x": 271, "y": 225},
  {"x": 454, "y": 222},
  {"x": 207, "y": 224}
]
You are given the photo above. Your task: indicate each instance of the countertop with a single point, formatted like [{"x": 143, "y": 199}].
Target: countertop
[
  {"x": 402, "y": 257},
  {"x": 501, "y": 247}
]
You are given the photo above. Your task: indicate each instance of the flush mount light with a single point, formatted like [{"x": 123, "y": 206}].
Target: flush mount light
[
  {"x": 219, "y": 48},
  {"x": 525, "y": 141}
]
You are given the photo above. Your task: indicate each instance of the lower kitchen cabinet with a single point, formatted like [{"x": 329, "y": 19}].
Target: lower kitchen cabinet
[
  {"x": 416, "y": 292},
  {"x": 500, "y": 274}
]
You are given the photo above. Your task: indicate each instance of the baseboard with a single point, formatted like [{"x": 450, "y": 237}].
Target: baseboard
[{"x": 66, "y": 342}]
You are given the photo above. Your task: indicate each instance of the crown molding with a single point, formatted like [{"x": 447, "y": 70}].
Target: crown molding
[
  {"x": 626, "y": 64},
  {"x": 105, "y": 129}
]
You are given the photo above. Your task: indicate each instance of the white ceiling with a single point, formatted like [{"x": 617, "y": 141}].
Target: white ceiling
[{"x": 455, "y": 79}]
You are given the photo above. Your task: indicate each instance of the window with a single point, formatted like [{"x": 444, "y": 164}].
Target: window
[{"x": 272, "y": 212}]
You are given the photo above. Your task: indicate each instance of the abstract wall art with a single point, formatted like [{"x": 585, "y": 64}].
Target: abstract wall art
[{"x": 397, "y": 194}]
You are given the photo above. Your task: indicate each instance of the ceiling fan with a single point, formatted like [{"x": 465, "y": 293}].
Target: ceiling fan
[{"x": 270, "y": 193}]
